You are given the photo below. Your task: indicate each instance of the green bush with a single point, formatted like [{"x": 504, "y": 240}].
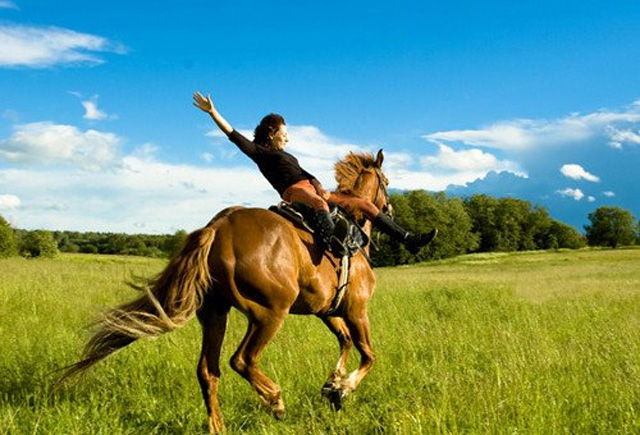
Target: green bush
[
  {"x": 39, "y": 243},
  {"x": 8, "y": 245}
]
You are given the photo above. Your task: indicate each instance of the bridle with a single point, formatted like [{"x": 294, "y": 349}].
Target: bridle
[{"x": 386, "y": 209}]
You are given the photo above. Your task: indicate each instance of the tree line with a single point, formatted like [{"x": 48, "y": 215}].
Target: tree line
[
  {"x": 42, "y": 243},
  {"x": 479, "y": 223}
]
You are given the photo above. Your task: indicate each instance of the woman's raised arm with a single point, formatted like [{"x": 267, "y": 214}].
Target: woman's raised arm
[{"x": 206, "y": 105}]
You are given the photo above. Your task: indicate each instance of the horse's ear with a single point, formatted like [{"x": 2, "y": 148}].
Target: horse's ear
[{"x": 379, "y": 158}]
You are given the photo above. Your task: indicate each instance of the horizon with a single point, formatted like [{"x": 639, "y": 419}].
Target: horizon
[{"x": 98, "y": 134}]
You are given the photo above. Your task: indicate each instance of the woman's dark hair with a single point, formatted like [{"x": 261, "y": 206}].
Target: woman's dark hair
[{"x": 267, "y": 127}]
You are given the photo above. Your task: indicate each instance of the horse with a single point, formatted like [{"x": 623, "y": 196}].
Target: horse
[{"x": 258, "y": 262}]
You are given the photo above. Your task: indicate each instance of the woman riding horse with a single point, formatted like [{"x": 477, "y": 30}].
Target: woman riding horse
[
  {"x": 293, "y": 183},
  {"x": 259, "y": 263}
]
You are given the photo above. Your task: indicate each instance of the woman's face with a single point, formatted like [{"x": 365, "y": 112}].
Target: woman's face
[{"x": 280, "y": 138}]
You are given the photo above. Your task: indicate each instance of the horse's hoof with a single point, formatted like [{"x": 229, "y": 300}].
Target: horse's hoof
[
  {"x": 335, "y": 397},
  {"x": 327, "y": 389},
  {"x": 278, "y": 414},
  {"x": 336, "y": 400}
]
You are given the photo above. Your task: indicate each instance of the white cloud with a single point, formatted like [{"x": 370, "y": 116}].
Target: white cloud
[
  {"x": 609, "y": 194},
  {"x": 38, "y": 47},
  {"x": 92, "y": 112},
  {"x": 48, "y": 143},
  {"x": 8, "y": 5},
  {"x": 618, "y": 137},
  {"x": 615, "y": 145},
  {"x": 136, "y": 195},
  {"x": 318, "y": 152},
  {"x": 504, "y": 135},
  {"x": 146, "y": 152},
  {"x": 473, "y": 160},
  {"x": 524, "y": 134},
  {"x": 572, "y": 193},
  {"x": 412, "y": 180},
  {"x": 9, "y": 202},
  {"x": 591, "y": 199},
  {"x": 577, "y": 172},
  {"x": 449, "y": 166}
]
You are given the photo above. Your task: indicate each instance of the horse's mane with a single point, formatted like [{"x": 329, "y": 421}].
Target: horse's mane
[{"x": 349, "y": 169}]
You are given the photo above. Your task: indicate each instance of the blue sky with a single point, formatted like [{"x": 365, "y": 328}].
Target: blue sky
[{"x": 539, "y": 100}]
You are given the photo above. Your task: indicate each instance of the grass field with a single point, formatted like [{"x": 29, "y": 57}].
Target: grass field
[{"x": 543, "y": 342}]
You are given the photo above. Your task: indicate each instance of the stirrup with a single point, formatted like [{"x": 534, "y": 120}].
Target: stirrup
[{"x": 337, "y": 248}]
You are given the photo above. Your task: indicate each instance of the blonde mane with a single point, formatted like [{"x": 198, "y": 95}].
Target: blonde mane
[{"x": 349, "y": 169}]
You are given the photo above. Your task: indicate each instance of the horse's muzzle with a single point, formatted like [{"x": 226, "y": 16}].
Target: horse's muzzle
[{"x": 387, "y": 209}]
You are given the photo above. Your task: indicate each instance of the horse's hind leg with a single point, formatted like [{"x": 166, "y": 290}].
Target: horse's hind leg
[
  {"x": 245, "y": 361},
  {"x": 332, "y": 388},
  {"x": 214, "y": 322}
]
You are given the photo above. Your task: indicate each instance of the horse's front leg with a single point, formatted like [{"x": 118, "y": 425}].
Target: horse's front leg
[
  {"x": 332, "y": 388},
  {"x": 361, "y": 334}
]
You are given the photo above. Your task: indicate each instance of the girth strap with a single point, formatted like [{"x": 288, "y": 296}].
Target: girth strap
[{"x": 343, "y": 281}]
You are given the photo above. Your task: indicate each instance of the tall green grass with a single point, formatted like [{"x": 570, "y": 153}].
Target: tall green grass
[{"x": 498, "y": 343}]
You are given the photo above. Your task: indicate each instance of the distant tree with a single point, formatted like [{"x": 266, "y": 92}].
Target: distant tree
[
  {"x": 38, "y": 243},
  {"x": 115, "y": 243},
  {"x": 174, "y": 243},
  {"x": 510, "y": 224},
  {"x": 88, "y": 248},
  {"x": 64, "y": 241},
  {"x": 611, "y": 226},
  {"x": 561, "y": 235},
  {"x": 419, "y": 211},
  {"x": 482, "y": 211},
  {"x": 8, "y": 245},
  {"x": 454, "y": 225},
  {"x": 535, "y": 229}
]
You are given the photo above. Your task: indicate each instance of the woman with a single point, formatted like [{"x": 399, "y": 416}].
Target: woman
[{"x": 293, "y": 183}]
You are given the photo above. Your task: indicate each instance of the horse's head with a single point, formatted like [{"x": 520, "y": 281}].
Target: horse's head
[{"x": 361, "y": 175}]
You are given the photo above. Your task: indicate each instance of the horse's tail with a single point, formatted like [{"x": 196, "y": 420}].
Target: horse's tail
[{"x": 168, "y": 302}]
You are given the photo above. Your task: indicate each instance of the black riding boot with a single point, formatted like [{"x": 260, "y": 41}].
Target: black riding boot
[
  {"x": 324, "y": 227},
  {"x": 413, "y": 242}
]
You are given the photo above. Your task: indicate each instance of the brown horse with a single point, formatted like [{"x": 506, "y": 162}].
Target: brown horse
[{"x": 261, "y": 264}]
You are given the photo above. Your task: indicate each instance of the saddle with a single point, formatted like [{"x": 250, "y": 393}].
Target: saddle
[{"x": 348, "y": 238}]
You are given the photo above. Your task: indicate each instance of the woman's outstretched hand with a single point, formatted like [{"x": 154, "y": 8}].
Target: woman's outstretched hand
[
  {"x": 206, "y": 105},
  {"x": 202, "y": 103}
]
